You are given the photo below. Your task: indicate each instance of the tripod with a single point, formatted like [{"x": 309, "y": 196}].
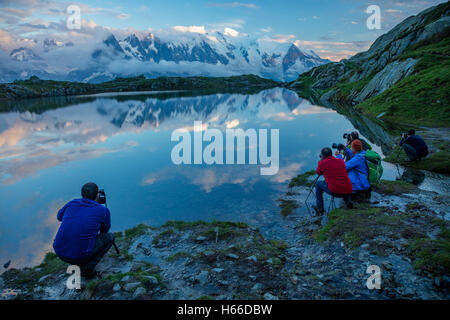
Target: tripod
[
  {"x": 312, "y": 188},
  {"x": 114, "y": 242}
]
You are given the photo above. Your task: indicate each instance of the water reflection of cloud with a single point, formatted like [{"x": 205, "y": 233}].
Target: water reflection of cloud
[
  {"x": 31, "y": 142},
  {"x": 32, "y": 249},
  {"x": 20, "y": 167}
]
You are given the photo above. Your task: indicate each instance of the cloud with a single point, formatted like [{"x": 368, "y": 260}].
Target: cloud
[
  {"x": 234, "y": 5},
  {"x": 335, "y": 50},
  {"x": 268, "y": 29},
  {"x": 123, "y": 16},
  {"x": 194, "y": 29},
  {"x": 282, "y": 38}
]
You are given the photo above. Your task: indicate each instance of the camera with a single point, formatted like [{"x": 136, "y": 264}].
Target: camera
[
  {"x": 339, "y": 146},
  {"x": 101, "y": 196}
]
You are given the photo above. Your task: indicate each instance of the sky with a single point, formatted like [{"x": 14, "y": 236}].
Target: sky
[{"x": 334, "y": 29}]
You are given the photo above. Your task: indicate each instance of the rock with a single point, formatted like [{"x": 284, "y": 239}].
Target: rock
[
  {"x": 270, "y": 261},
  {"x": 203, "y": 277},
  {"x": 217, "y": 270},
  {"x": 223, "y": 282},
  {"x": 117, "y": 287},
  {"x": 2, "y": 283},
  {"x": 232, "y": 256},
  {"x": 131, "y": 286},
  {"x": 386, "y": 78},
  {"x": 269, "y": 296},
  {"x": 365, "y": 246},
  {"x": 137, "y": 266},
  {"x": 43, "y": 278},
  {"x": 125, "y": 279},
  {"x": 257, "y": 287},
  {"x": 208, "y": 253},
  {"x": 201, "y": 238},
  {"x": 437, "y": 282},
  {"x": 252, "y": 258},
  {"x": 252, "y": 277},
  {"x": 139, "y": 292}
]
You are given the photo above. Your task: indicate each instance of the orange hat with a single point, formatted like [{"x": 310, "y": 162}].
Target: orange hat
[{"x": 357, "y": 145}]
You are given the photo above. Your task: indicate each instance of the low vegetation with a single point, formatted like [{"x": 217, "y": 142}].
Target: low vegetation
[{"x": 381, "y": 228}]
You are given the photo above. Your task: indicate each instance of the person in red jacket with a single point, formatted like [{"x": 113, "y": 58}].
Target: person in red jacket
[{"x": 336, "y": 182}]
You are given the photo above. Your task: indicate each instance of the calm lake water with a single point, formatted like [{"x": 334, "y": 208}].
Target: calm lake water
[{"x": 123, "y": 144}]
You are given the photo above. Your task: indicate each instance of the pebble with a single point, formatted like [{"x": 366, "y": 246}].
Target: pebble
[
  {"x": 252, "y": 258},
  {"x": 269, "y": 296},
  {"x": 257, "y": 287},
  {"x": 232, "y": 256},
  {"x": 131, "y": 286},
  {"x": 138, "y": 292},
  {"x": 125, "y": 279},
  {"x": 203, "y": 277},
  {"x": 152, "y": 279},
  {"x": 116, "y": 287},
  {"x": 201, "y": 238},
  {"x": 217, "y": 270},
  {"x": 252, "y": 277}
]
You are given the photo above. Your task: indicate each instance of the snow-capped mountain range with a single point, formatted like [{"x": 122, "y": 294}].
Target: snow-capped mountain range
[{"x": 194, "y": 54}]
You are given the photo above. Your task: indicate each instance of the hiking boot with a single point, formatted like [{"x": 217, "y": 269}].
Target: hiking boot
[{"x": 319, "y": 211}]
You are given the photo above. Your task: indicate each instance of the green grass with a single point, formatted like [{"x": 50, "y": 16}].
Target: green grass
[
  {"x": 432, "y": 255},
  {"x": 396, "y": 187},
  {"x": 352, "y": 226},
  {"x": 28, "y": 277},
  {"x": 367, "y": 224},
  {"x": 302, "y": 179},
  {"x": 287, "y": 207},
  {"x": 423, "y": 97},
  {"x": 178, "y": 255},
  {"x": 184, "y": 225}
]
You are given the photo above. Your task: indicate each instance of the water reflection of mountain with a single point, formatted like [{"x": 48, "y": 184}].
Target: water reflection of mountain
[{"x": 155, "y": 111}]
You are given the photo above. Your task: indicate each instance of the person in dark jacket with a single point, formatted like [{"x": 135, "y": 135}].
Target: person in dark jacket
[
  {"x": 336, "y": 181},
  {"x": 414, "y": 146},
  {"x": 83, "y": 237}
]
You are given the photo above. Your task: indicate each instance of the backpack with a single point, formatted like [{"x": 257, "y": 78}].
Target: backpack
[{"x": 375, "y": 169}]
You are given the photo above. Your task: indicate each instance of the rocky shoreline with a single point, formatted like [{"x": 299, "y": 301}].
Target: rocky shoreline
[{"x": 403, "y": 230}]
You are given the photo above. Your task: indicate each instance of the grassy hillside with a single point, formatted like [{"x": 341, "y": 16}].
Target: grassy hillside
[{"x": 423, "y": 98}]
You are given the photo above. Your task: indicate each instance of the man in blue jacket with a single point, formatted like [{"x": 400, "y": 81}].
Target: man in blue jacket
[
  {"x": 78, "y": 240},
  {"x": 414, "y": 146}
]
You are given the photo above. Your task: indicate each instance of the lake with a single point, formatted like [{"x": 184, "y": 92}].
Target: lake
[{"x": 123, "y": 143}]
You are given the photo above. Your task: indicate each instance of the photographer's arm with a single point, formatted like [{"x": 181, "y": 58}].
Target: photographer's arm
[
  {"x": 107, "y": 222},
  {"x": 61, "y": 212},
  {"x": 404, "y": 139}
]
